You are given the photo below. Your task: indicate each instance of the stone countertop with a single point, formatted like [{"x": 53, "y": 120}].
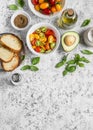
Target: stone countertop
[{"x": 46, "y": 100}]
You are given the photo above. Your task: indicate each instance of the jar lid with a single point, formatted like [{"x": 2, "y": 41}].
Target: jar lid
[{"x": 70, "y": 12}]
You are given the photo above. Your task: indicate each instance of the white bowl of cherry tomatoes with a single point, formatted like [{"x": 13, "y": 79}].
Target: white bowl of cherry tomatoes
[
  {"x": 43, "y": 39},
  {"x": 46, "y": 8}
]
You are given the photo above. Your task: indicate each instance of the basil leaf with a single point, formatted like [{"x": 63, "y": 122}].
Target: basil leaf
[
  {"x": 85, "y": 22},
  {"x": 70, "y": 68},
  {"x": 22, "y": 57},
  {"x": 33, "y": 68},
  {"x": 65, "y": 72},
  {"x": 26, "y": 67},
  {"x": 83, "y": 59},
  {"x": 81, "y": 64},
  {"x": 71, "y": 62},
  {"x": 21, "y": 3},
  {"x": 61, "y": 63},
  {"x": 35, "y": 60},
  {"x": 13, "y": 7},
  {"x": 87, "y": 52}
]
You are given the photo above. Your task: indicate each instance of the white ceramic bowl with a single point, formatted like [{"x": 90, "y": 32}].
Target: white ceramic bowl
[
  {"x": 23, "y": 13},
  {"x": 37, "y": 13},
  {"x": 36, "y": 26}
]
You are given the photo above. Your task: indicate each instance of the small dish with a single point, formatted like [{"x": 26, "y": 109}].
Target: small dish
[
  {"x": 20, "y": 14},
  {"x": 37, "y": 26},
  {"x": 39, "y": 14}
]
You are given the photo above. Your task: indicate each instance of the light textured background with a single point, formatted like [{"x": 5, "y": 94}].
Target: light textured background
[{"x": 46, "y": 100}]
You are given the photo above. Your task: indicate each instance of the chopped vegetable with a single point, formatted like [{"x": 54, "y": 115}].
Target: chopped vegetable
[{"x": 43, "y": 40}]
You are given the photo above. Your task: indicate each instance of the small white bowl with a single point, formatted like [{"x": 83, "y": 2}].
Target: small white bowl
[
  {"x": 18, "y": 13},
  {"x": 37, "y": 13},
  {"x": 36, "y": 26}
]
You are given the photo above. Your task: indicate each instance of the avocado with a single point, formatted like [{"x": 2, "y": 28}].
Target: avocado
[{"x": 70, "y": 40}]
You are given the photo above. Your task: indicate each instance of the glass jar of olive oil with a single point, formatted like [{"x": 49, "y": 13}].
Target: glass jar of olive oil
[{"x": 68, "y": 19}]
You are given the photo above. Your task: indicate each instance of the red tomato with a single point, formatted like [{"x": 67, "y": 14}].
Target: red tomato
[
  {"x": 37, "y": 49},
  {"x": 52, "y": 2},
  {"x": 49, "y": 32},
  {"x": 33, "y": 42},
  {"x": 35, "y": 2},
  {"x": 46, "y": 11}
]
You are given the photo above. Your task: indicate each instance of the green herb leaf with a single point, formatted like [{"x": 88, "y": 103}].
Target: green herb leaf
[
  {"x": 26, "y": 67},
  {"x": 33, "y": 68},
  {"x": 85, "y": 22},
  {"x": 87, "y": 52},
  {"x": 21, "y": 3},
  {"x": 81, "y": 64},
  {"x": 70, "y": 68},
  {"x": 13, "y": 7},
  {"x": 35, "y": 60},
  {"x": 22, "y": 57},
  {"x": 83, "y": 59},
  {"x": 65, "y": 72},
  {"x": 71, "y": 62},
  {"x": 61, "y": 63}
]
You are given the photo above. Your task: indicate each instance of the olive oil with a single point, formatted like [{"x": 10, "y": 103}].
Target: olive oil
[{"x": 68, "y": 19}]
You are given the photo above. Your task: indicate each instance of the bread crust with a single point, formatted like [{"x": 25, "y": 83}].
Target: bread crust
[
  {"x": 10, "y": 48},
  {"x": 13, "y": 65}
]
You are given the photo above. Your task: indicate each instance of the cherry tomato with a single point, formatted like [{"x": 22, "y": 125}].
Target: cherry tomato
[
  {"x": 49, "y": 32},
  {"x": 37, "y": 49},
  {"x": 47, "y": 46},
  {"x": 53, "y": 9},
  {"x": 44, "y": 5},
  {"x": 52, "y": 2},
  {"x": 33, "y": 42},
  {"x": 58, "y": 7},
  {"x": 46, "y": 11},
  {"x": 35, "y": 2}
]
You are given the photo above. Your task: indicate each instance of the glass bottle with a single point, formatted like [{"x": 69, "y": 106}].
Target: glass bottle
[{"x": 68, "y": 19}]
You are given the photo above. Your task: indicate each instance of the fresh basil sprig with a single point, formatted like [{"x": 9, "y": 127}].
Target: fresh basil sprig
[
  {"x": 87, "y": 52},
  {"x": 85, "y": 22},
  {"x": 71, "y": 65},
  {"x": 32, "y": 67}
]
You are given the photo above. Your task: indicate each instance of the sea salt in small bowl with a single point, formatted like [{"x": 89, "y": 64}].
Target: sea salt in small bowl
[
  {"x": 88, "y": 36},
  {"x": 33, "y": 29},
  {"x": 20, "y": 20}
]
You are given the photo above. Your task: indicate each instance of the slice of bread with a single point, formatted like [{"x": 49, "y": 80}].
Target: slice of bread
[
  {"x": 12, "y": 64},
  {"x": 6, "y": 55},
  {"x": 12, "y": 42}
]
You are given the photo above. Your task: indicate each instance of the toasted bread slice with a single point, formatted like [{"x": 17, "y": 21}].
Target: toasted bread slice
[
  {"x": 6, "y": 55},
  {"x": 12, "y": 42},
  {"x": 12, "y": 64}
]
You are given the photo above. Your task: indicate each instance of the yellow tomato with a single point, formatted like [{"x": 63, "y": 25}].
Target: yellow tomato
[
  {"x": 31, "y": 37},
  {"x": 37, "y": 7},
  {"x": 58, "y": 7},
  {"x": 51, "y": 39},
  {"x": 33, "y": 47},
  {"x": 41, "y": 1},
  {"x": 44, "y": 5},
  {"x": 43, "y": 39},
  {"x": 36, "y": 36}
]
